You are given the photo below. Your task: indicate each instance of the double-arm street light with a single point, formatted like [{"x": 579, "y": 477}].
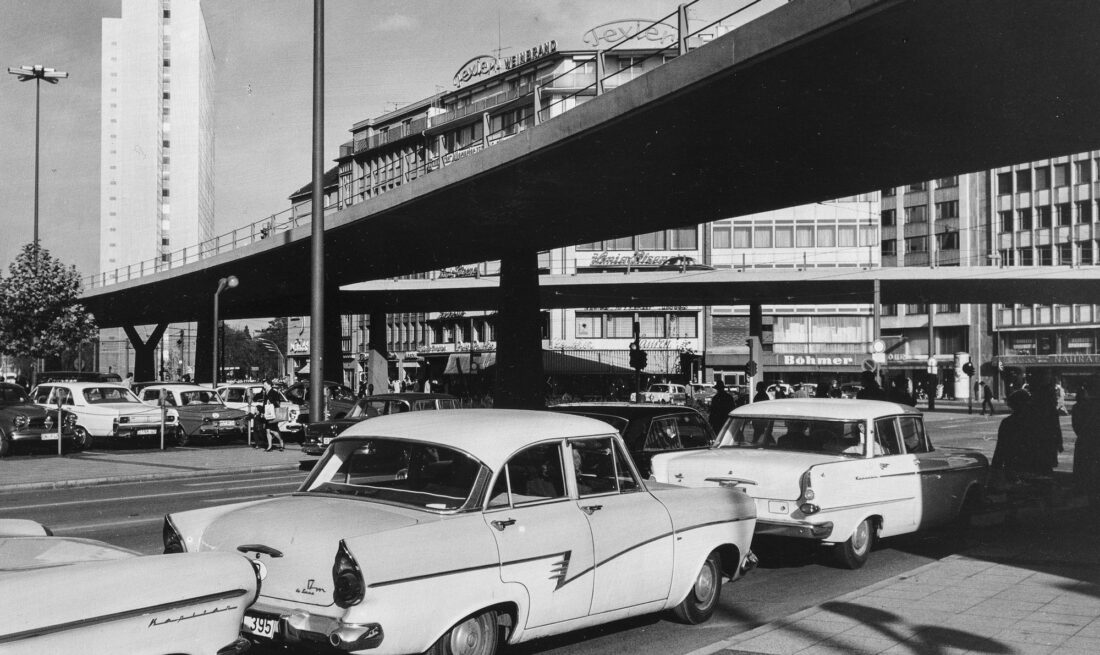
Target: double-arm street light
[
  {"x": 273, "y": 347},
  {"x": 223, "y": 284},
  {"x": 37, "y": 73}
]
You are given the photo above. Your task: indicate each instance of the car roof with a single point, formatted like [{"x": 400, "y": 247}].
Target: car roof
[
  {"x": 624, "y": 409},
  {"x": 178, "y": 386},
  {"x": 824, "y": 408},
  {"x": 410, "y": 395},
  {"x": 84, "y": 385},
  {"x": 490, "y": 435}
]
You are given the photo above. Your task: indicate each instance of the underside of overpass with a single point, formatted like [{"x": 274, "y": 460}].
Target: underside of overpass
[{"x": 817, "y": 100}]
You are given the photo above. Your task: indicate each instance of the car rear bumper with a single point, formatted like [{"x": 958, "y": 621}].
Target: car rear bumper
[
  {"x": 799, "y": 529},
  {"x": 140, "y": 431},
  {"x": 29, "y": 435},
  {"x": 322, "y": 633}
]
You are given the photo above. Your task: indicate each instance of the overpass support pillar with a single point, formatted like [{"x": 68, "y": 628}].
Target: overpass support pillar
[
  {"x": 332, "y": 355},
  {"x": 145, "y": 367},
  {"x": 756, "y": 320},
  {"x": 519, "y": 383},
  {"x": 378, "y": 364},
  {"x": 204, "y": 348}
]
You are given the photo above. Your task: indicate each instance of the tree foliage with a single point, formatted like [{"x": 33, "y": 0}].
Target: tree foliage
[{"x": 40, "y": 315}]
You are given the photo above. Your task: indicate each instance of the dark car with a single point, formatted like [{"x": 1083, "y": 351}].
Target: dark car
[
  {"x": 23, "y": 422},
  {"x": 201, "y": 413},
  {"x": 682, "y": 263},
  {"x": 339, "y": 399},
  {"x": 648, "y": 428},
  {"x": 319, "y": 435}
]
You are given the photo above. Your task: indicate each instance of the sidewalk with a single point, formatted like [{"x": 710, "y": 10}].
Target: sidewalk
[
  {"x": 40, "y": 471},
  {"x": 1032, "y": 587}
]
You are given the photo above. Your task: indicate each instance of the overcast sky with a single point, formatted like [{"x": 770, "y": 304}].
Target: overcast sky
[{"x": 379, "y": 54}]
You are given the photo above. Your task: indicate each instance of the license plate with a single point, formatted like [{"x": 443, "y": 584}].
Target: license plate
[
  {"x": 49, "y": 436},
  {"x": 225, "y": 424},
  {"x": 326, "y": 441},
  {"x": 147, "y": 431},
  {"x": 261, "y": 625}
]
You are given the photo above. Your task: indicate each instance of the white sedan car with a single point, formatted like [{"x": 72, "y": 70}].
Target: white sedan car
[
  {"x": 104, "y": 409},
  {"x": 71, "y": 595},
  {"x": 248, "y": 396},
  {"x": 839, "y": 472},
  {"x": 457, "y": 531}
]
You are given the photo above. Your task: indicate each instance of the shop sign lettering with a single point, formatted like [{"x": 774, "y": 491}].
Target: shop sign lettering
[
  {"x": 460, "y": 154},
  {"x": 817, "y": 360},
  {"x": 531, "y": 54},
  {"x": 475, "y": 69},
  {"x": 638, "y": 29},
  {"x": 639, "y": 258}
]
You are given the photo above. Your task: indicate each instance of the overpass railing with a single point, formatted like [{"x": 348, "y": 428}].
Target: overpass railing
[{"x": 570, "y": 78}]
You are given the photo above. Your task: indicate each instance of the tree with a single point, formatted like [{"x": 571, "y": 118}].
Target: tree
[{"x": 40, "y": 315}]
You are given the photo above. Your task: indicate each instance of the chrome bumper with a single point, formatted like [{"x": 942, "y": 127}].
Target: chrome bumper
[{"x": 801, "y": 530}]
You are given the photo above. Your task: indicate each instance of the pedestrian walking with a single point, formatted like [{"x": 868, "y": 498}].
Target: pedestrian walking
[
  {"x": 720, "y": 406},
  {"x": 1048, "y": 428},
  {"x": 1011, "y": 457},
  {"x": 267, "y": 420},
  {"x": 871, "y": 390},
  {"x": 987, "y": 399}
]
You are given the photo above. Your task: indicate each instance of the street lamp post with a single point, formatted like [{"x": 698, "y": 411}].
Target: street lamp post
[
  {"x": 37, "y": 73},
  {"x": 223, "y": 284},
  {"x": 272, "y": 347}
]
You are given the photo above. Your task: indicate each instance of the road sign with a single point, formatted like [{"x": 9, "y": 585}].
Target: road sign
[
  {"x": 870, "y": 365},
  {"x": 879, "y": 346},
  {"x": 878, "y": 358}
]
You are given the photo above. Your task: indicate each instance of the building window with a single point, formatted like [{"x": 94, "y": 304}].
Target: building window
[
  {"x": 947, "y": 309},
  {"x": 762, "y": 237},
  {"x": 889, "y": 193},
  {"x": 1061, "y": 175},
  {"x": 917, "y": 214},
  {"x": 1046, "y": 256},
  {"x": 651, "y": 241},
  {"x": 826, "y": 237},
  {"x": 1025, "y": 219},
  {"x": 918, "y": 308},
  {"x": 1042, "y": 178},
  {"x": 945, "y": 182},
  {"x": 889, "y": 217},
  {"x": 619, "y": 326},
  {"x": 846, "y": 236},
  {"x": 784, "y": 236},
  {"x": 888, "y": 310},
  {"x": 589, "y": 326},
  {"x": 1081, "y": 171},
  {"x": 889, "y": 248},
  {"x": 916, "y": 244},
  {"x": 947, "y": 240},
  {"x": 917, "y": 186},
  {"x": 1084, "y": 253},
  {"x": 1023, "y": 181},
  {"x": 722, "y": 237},
  {"x": 948, "y": 209},
  {"x": 742, "y": 237},
  {"x": 1065, "y": 215},
  {"x": 1004, "y": 184},
  {"x": 1084, "y": 211},
  {"x": 1006, "y": 221},
  {"x": 651, "y": 326},
  {"x": 804, "y": 236},
  {"x": 167, "y": 63},
  {"x": 1065, "y": 254},
  {"x": 625, "y": 243},
  {"x": 868, "y": 235},
  {"x": 1007, "y": 258},
  {"x": 683, "y": 326},
  {"x": 164, "y": 241},
  {"x": 1027, "y": 258},
  {"x": 684, "y": 239},
  {"x": 1044, "y": 216}
]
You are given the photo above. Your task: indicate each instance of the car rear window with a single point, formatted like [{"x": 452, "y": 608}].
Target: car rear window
[{"x": 836, "y": 437}]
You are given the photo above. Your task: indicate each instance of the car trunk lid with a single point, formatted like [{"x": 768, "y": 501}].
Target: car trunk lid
[{"x": 776, "y": 473}]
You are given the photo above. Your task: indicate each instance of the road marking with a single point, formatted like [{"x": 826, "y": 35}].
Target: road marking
[
  {"x": 92, "y": 527},
  {"x": 144, "y": 496},
  {"x": 207, "y": 484}
]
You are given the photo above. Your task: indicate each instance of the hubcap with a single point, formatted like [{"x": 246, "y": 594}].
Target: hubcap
[
  {"x": 704, "y": 584},
  {"x": 861, "y": 537},
  {"x": 467, "y": 638}
]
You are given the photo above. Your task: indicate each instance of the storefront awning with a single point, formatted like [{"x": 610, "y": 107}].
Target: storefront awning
[{"x": 467, "y": 363}]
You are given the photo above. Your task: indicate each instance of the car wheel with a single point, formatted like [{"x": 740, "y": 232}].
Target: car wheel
[
  {"x": 702, "y": 600},
  {"x": 182, "y": 438},
  {"x": 477, "y": 635},
  {"x": 81, "y": 439},
  {"x": 854, "y": 552}
]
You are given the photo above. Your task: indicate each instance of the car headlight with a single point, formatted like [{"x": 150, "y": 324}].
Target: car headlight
[
  {"x": 20, "y": 421},
  {"x": 124, "y": 419},
  {"x": 49, "y": 422},
  {"x": 70, "y": 420}
]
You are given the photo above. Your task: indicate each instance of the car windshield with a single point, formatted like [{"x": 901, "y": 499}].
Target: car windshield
[
  {"x": 101, "y": 395},
  {"x": 365, "y": 409},
  {"x": 199, "y": 397},
  {"x": 12, "y": 396},
  {"x": 617, "y": 422},
  {"x": 411, "y": 473},
  {"x": 808, "y": 435}
]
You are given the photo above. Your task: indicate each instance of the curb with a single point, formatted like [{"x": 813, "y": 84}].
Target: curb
[{"x": 143, "y": 477}]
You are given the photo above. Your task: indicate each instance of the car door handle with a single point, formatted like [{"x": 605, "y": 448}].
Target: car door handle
[
  {"x": 500, "y": 525},
  {"x": 260, "y": 548},
  {"x": 591, "y": 509}
]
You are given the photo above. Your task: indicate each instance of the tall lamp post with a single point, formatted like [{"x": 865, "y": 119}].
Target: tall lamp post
[
  {"x": 37, "y": 73},
  {"x": 225, "y": 283},
  {"x": 272, "y": 347}
]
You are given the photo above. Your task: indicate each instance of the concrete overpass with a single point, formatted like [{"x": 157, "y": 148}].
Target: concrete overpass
[{"x": 816, "y": 100}]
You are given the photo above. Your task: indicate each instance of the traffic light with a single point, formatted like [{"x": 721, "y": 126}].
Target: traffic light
[
  {"x": 750, "y": 368},
  {"x": 968, "y": 368},
  {"x": 638, "y": 359}
]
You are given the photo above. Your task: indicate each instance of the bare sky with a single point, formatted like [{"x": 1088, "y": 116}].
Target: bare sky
[{"x": 378, "y": 54}]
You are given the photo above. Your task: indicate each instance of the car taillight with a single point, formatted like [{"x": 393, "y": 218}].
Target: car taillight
[
  {"x": 70, "y": 419},
  {"x": 124, "y": 419},
  {"x": 347, "y": 580},
  {"x": 807, "y": 489},
  {"x": 173, "y": 542}
]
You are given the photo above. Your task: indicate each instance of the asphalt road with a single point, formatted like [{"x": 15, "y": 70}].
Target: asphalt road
[{"x": 792, "y": 576}]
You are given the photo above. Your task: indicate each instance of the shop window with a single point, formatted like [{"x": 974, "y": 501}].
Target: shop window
[
  {"x": 589, "y": 326},
  {"x": 596, "y": 246},
  {"x": 721, "y": 237},
  {"x": 620, "y": 326},
  {"x": 651, "y": 326},
  {"x": 1004, "y": 184},
  {"x": 625, "y": 243}
]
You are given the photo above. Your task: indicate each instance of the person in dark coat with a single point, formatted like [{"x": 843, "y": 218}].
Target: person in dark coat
[
  {"x": 899, "y": 392},
  {"x": 269, "y": 425},
  {"x": 761, "y": 392},
  {"x": 987, "y": 399},
  {"x": 1010, "y": 457},
  {"x": 1047, "y": 436},
  {"x": 1086, "y": 451},
  {"x": 720, "y": 406},
  {"x": 871, "y": 389}
]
